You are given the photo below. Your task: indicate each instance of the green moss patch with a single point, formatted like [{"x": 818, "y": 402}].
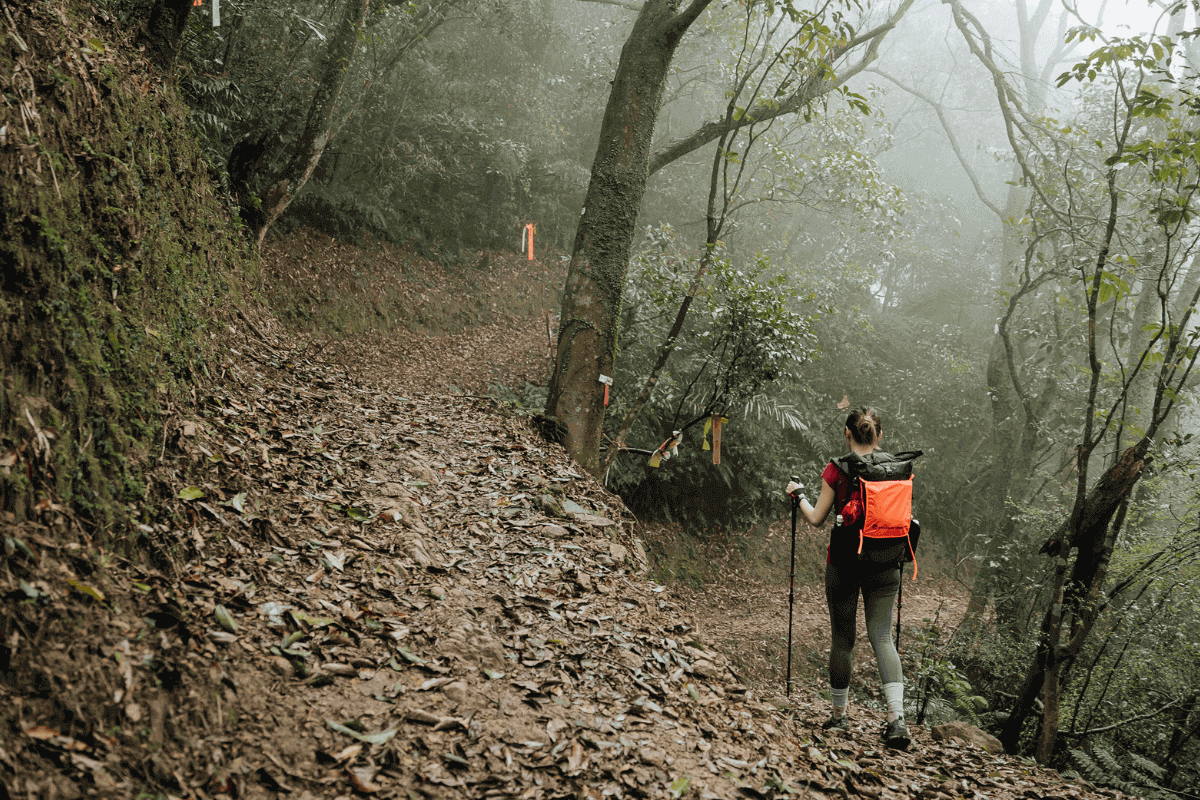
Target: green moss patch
[{"x": 114, "y": 251}]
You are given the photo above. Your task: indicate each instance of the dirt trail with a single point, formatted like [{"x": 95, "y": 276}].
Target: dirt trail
[
  {"x": 369, "y": 588},
  {"x": 744, "y": 601}
]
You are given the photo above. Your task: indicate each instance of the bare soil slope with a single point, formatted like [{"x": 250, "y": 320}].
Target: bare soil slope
[{"x": 368, "y": 585}]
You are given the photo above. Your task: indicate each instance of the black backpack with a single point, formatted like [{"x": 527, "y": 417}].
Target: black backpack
[{"x": 879, "y": 466}]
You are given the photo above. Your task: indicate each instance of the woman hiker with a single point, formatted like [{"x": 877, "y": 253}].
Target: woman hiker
[{"x": 875, "y": 573}]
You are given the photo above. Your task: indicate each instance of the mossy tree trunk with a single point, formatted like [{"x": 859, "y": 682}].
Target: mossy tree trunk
[{"x": 587, "y": 334}]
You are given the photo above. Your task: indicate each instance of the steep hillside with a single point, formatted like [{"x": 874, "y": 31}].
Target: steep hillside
[{"x": 113, "y": 250}]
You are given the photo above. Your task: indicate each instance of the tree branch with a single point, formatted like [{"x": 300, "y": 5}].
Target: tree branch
[
  {"x": 962, "y": 160},
  {"x": 817, "y": 84},
  {"x": 1008, "y": 100},
  {"x": 1122, "y": 723},
  {"x": 678, "y": 25},
  {"x": 620, "y": 3}
]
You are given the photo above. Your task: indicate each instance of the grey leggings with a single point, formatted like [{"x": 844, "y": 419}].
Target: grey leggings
[{"x": 878, "y": 588}]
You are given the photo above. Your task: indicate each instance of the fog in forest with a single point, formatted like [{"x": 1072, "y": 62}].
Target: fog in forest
[{"x": 976, "y": 217}]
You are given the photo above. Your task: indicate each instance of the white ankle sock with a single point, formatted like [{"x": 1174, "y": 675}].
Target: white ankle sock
[
  {"x": 894, "y": 692},
  {"x": 839, "y": 697}
]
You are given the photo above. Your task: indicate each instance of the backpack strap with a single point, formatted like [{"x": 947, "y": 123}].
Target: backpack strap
[
  {"x": 914, "y": 538},
  {"x": 844, "y": 464},
  {"x": 843, "y": 496}
]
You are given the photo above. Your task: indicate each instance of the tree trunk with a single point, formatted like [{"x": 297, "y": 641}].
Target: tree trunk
[
  {"x": 596, "y": 277},
  {"x": 1011, "y": 427},
  {"x": 1005, "y": 435},
  {"x": 1089, "y": 530},
  {"x": 1181, "y": 733},
  {"x": 1051, "y": 668},
  {"x": 283, "y": 187},
  {"x": 1017, "y": 409},
  {"x": 587, "y": 334}
]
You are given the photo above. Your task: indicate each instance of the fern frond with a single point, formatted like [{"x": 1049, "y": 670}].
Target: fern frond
[
  {"x": 960, "y": 692},
  {"x": 785, "y": 415},
  {"x": 1102, "y": 768},
  {"x": 1148, "y": 767},
  {"x": 1088, "y": 767},
  {"x": 1107, "y": 760}
]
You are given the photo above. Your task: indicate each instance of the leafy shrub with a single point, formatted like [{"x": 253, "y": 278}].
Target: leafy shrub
[
  {"x": 943, "y": 690},
  {"x": 736, "y": 356}
]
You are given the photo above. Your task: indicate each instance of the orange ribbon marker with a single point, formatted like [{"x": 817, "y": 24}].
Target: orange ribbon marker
[
  {"x": 527, "y": 239},
  {"x": 667, "y": 449},
  {"x": 713, "y": 424},
  {"x": 716, "y": 428},
  {"x": 607, "y": 381}
]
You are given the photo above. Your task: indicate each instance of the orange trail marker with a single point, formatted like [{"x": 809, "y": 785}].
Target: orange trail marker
[{"x": 527, "y": 239}]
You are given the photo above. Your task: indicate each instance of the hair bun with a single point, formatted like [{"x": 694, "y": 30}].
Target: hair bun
[{"x": 864, "y": 426}]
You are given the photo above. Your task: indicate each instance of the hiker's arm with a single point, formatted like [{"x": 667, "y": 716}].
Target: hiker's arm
[{"x": 815, "y": 515}]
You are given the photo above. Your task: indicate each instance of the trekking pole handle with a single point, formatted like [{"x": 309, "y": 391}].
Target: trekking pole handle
[{"x": 796, "y": 494}]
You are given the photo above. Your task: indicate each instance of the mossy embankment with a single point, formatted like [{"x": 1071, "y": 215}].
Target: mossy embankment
[{"x": 116, "y": 255}]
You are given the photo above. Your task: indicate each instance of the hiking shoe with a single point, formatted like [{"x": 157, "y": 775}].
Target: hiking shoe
[
  {"x": 837, "y": 722},
  {"x": 895, "y": 735}
]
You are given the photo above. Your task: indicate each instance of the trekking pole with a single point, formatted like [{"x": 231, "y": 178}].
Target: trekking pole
[
  {"x": 791, "y": 588},
  {"x": 914, "y": 534}
]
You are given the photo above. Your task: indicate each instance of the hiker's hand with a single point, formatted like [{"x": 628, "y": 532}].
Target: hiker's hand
[{"x": 793, "y": 488}]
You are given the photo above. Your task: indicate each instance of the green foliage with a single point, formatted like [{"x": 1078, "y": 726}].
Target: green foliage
[
  {"x": 1132, "y": 774},
  {"x": 943, "y": 690},
  {"x": 204, "y": 93},
  {"x": 748, "y": 326},
  {"x": 1137, "y": 52},
  {"x": 449, "y": 131},
  {"x": 736, "y": 356}
]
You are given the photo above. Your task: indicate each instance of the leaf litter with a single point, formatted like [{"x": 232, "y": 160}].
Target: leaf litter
[{"x": 365, "y": 591}]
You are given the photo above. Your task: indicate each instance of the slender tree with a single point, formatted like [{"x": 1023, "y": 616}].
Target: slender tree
[
  {"x": 1089, "y": 212},
  {"x": 283, "y": 185}
]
